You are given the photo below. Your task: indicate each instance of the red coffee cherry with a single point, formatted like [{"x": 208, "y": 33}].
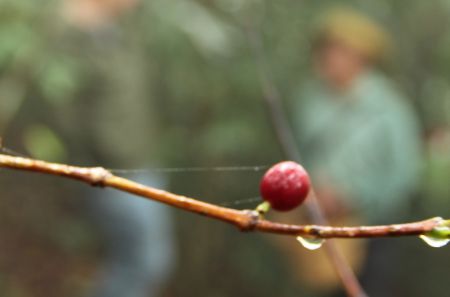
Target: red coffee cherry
[{"x": 285, "y": 185}]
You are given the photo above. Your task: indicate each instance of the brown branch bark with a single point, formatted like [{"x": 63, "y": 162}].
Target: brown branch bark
[{"x": 246, "y": 220}]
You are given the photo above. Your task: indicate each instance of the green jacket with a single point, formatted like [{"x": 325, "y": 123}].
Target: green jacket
[{"x": 366, "y": 141}]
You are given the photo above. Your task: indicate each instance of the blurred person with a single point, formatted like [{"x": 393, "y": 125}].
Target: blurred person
[
  {"x": 358, "y": 134},
  {"x": 90, "y": 14},
  {"x": 359, "y": 139},
  {"x": 138, "y": 239},
  {"x": 119, "y": 125}
]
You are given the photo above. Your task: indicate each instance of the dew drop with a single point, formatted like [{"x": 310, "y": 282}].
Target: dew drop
[
  {"x": 311, "y": 243},
  {"x": 435, "y": 242},
  {"x": 439, "y": 236}
]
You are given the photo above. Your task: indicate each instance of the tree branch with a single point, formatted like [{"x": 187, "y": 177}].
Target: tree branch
[{"x": 246, "y": 220}]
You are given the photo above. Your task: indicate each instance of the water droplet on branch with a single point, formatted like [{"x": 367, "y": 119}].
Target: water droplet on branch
[
  {"x": 438, "y": 237},
  {"x": 434, "y": 241},
  {"x": 311, "y": 243}
]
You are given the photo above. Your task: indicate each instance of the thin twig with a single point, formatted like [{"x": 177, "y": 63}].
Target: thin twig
[{"x": 246, "y": 220}]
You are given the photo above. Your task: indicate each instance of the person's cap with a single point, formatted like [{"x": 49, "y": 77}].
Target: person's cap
[{"x": 355, "y": 30}]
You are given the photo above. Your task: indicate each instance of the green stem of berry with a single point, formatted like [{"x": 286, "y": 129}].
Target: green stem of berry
[{"x": 263, "y": 208}]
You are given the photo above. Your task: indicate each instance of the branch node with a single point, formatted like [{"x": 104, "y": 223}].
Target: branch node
[
  {"x": 98, "y": 175},
  {"x": 250, "y": 224},
  {"x": 314, "y": 230}
]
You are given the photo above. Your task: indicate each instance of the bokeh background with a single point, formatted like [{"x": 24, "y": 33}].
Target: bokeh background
[{"x": 68, "y": 69}]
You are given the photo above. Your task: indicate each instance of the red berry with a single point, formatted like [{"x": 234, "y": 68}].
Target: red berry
[{"x": 285, "y": 185}]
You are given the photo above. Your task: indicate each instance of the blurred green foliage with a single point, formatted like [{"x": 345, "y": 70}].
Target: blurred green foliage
[{"x": 77, "y": 95}]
